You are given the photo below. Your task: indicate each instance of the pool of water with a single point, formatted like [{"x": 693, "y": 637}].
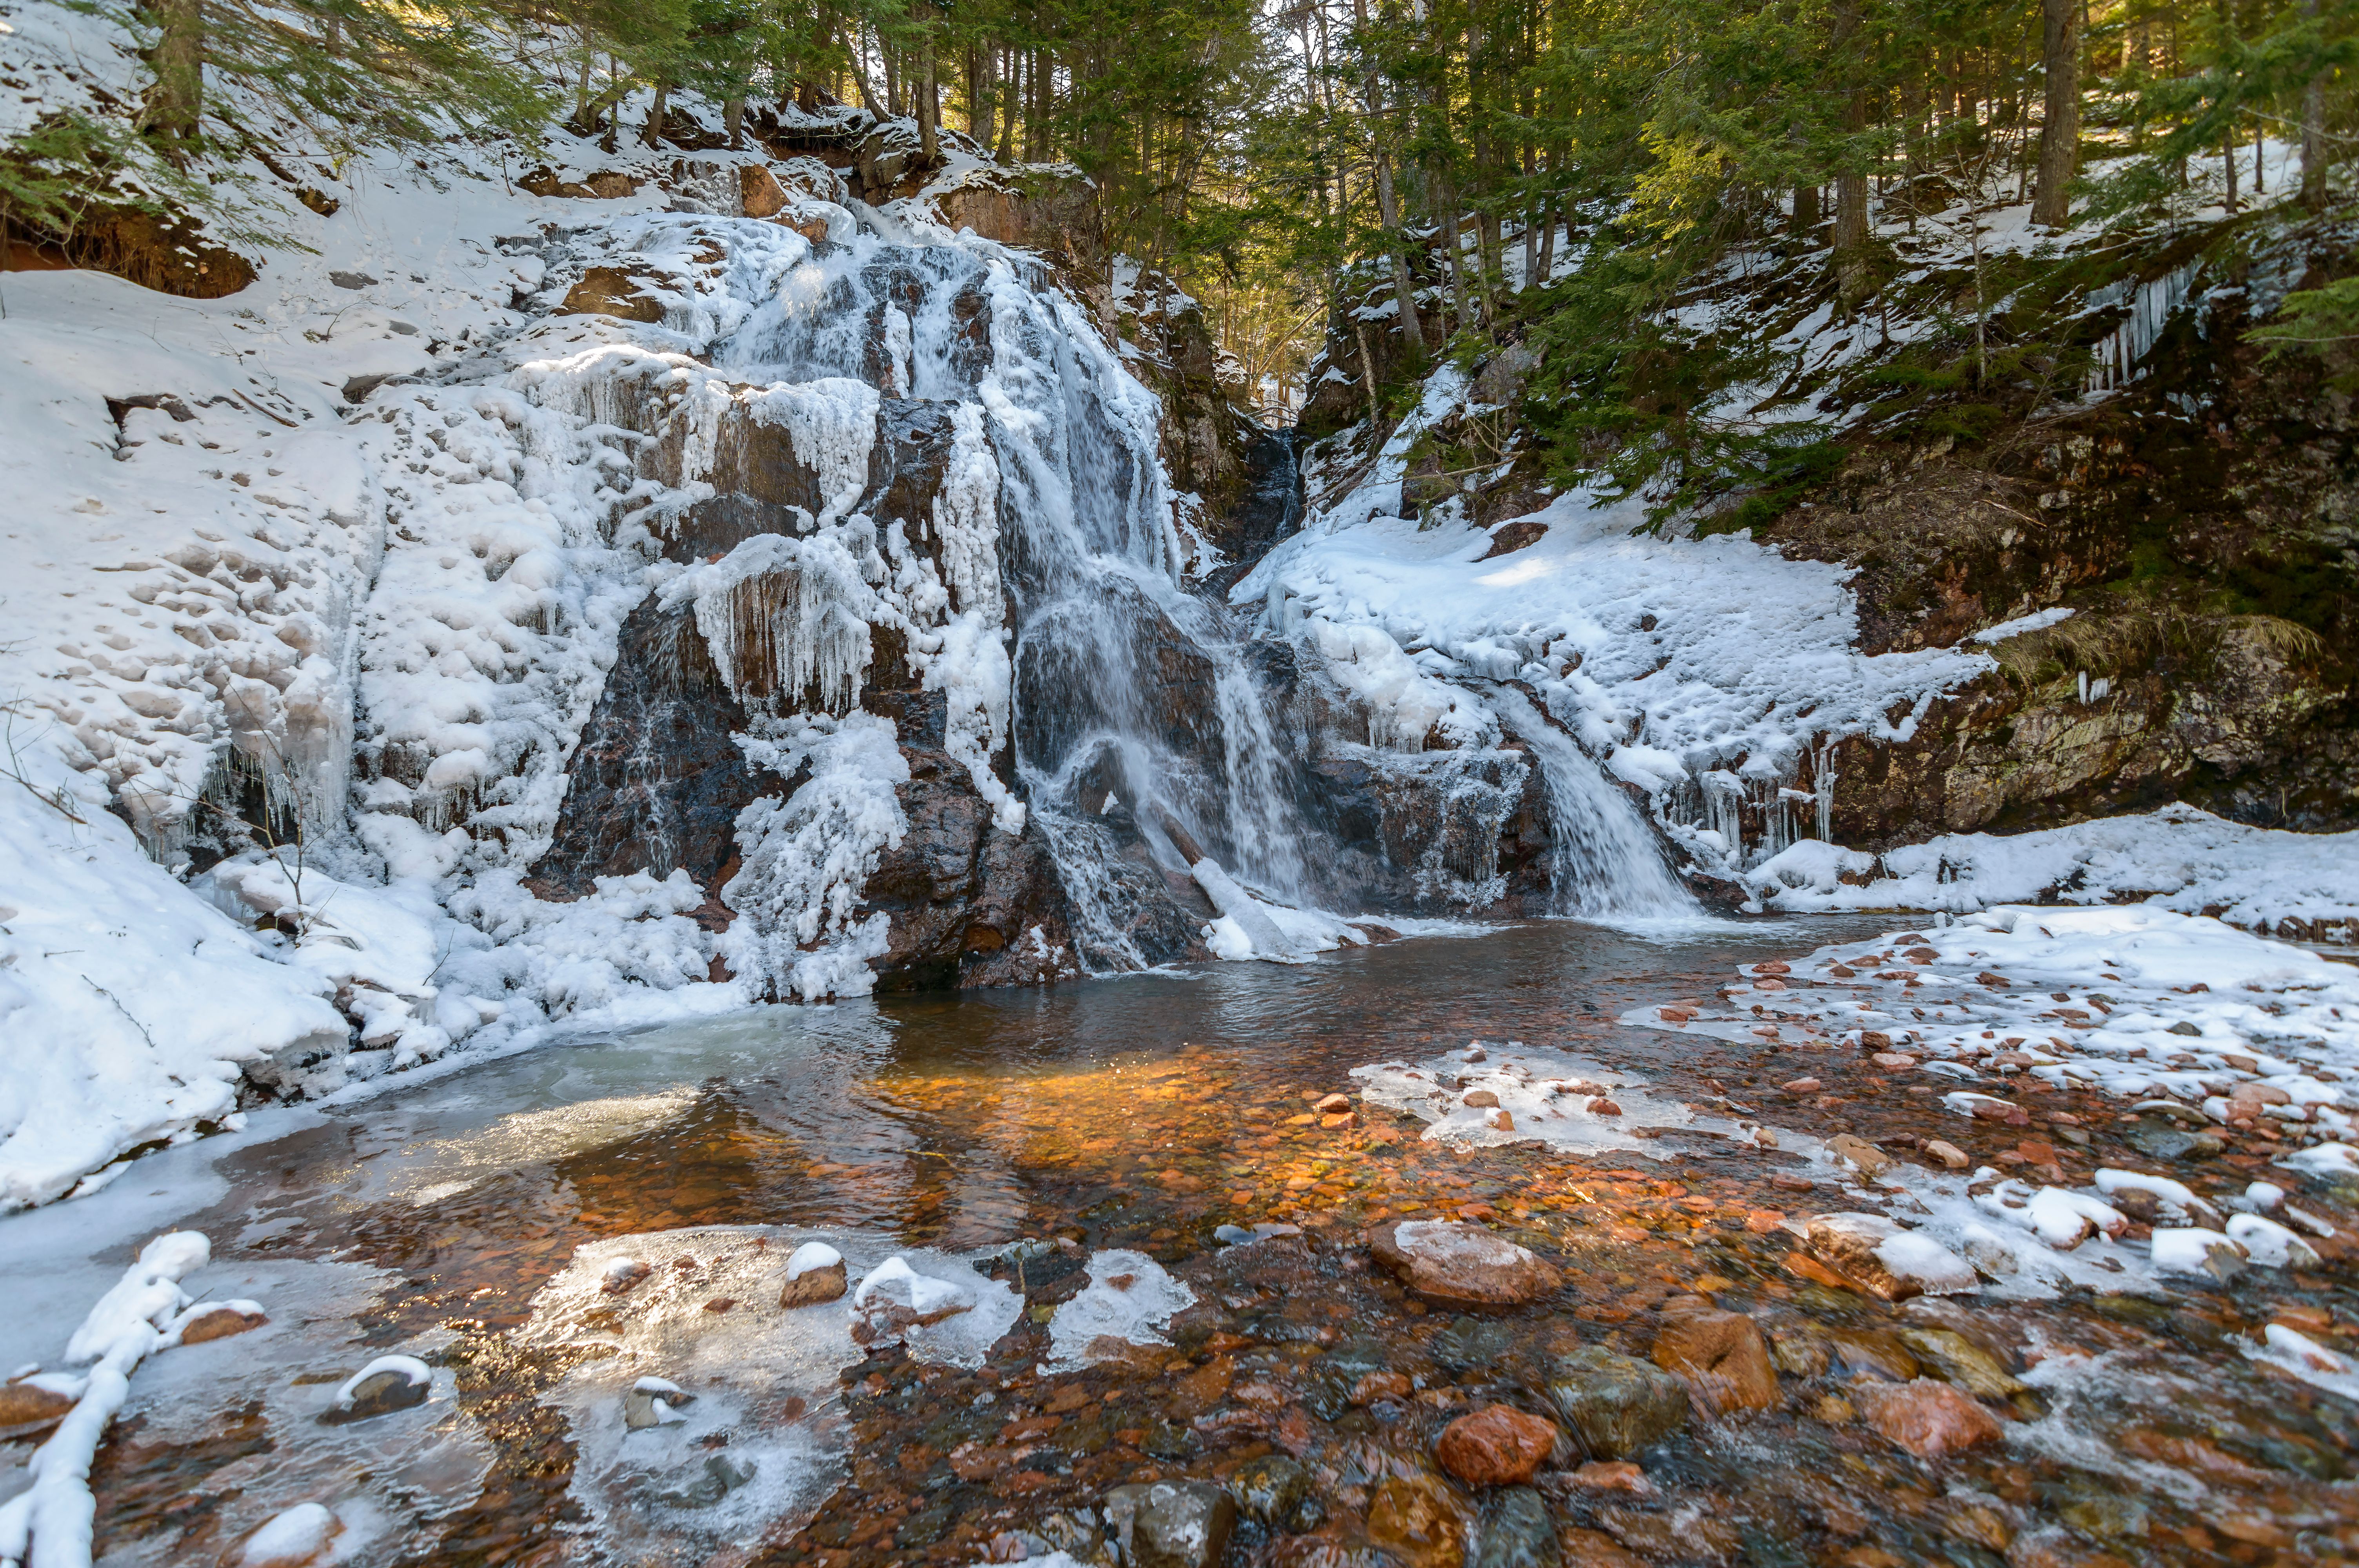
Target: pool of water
[{"x": 465, "y": 1219}]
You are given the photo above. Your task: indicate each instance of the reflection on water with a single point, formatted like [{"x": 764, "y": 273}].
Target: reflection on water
[{"x": 1147, "y": 1113}]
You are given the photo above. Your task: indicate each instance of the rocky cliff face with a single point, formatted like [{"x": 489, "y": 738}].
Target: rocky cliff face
[{"x": 2198, "y": 524}]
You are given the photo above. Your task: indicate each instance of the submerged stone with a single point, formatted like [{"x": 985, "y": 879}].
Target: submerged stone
[
  {"x": 1517, "y": 1532},
  {"x": 1171, "y": 1524},
  {"x": 1617, "y": 1404}
]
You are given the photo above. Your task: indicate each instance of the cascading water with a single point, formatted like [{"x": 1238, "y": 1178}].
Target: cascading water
[
  {"x": 1605, "y": 864},
  {"x": 1127, "y": 693}
]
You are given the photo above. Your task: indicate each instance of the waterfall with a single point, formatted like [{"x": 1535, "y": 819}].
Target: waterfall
[
  {"x": 1605, "y": 863},
  {"x": 1120, "y": 684}
]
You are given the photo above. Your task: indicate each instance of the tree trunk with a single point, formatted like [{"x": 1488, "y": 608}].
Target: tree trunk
[
  {"x": 1851, "y": 180},
  {"x": 2313, "y": 134},
  {"x": 175, "y": 99},
  {"x": 1011, "y": 74},
  {"x": 2060, "y": 132},
  {"x": 929, "y": 103},
  {"x": 1804, "y": 220},
  {"x": 732, "y": 122},
  {"x": 651, "y": 133}
]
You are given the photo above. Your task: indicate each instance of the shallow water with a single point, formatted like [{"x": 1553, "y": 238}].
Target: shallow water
[{"x": 444, "y": 1219}]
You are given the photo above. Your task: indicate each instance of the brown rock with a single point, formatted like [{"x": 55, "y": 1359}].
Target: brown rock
[
  {"x": 1950, "y": 1154},
  {"x": 1595, "y": 1548},
  {"x": 610, "y": 291},
  {"x": 1804, "y": 1086},
  {"x": 1420, "y": 1521},
  {"x": 1927, "y": 1417},
  {"x": 813, "y": 1286},
  {"x": 1381, "y": 1385},
  {"x": 1333, "y": 1105},
  {"x": 1481, "y": 1099},
  {"x": 24, "y": 1407},
  {"x": 1497, "y": 1445},
  {"x": 1871, "y": 1162},
  {"x": 1339, "y": 1122},
  {"x": 759, "y": 188},
  {"x": 1721, "y": 1354},
  {"x": 1612, "y": 1476},
  {"x": 219, "y": 1321},
  {"x": 1452, "y": 1260},
  {"x": 1761, "y": 1221},
  {"x": 1874, "y": 1040}
]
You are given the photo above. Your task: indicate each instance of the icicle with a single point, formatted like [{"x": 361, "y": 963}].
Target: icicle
[
  {"x": 832, "y": 423},
  {"x": 781, "y": 616}
]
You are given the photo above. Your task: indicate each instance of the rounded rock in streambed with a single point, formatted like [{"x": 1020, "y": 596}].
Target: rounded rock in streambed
[
  {"x": 1617, "y": 1404},
  {"x": 652, "y": 1401},
  {"x": 1517, "y": 1532},
  {"x": 716, "y": 1478},
  {"x": 387, "y": 1384},
  {"x": 815, "y": 1274},
  {"x": 1275, "y": 1492},
  {"x": 1171, "y": 1524}
]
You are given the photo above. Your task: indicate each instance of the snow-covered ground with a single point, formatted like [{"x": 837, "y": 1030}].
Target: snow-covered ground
[{"x": 2178, "y": 858}]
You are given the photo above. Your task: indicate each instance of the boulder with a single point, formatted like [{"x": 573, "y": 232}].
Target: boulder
[
  {"x": 1871, "y": 1160},
  {"x": 1171, "y": 1524},
  {"x": 1886, "y": 1258},
  {"x": 1929, "y": 1418},
  {"x": 611, "y": 291},
  {"x": 1721, "y": 1354},
  {"x": 1452, "y": 1260},
  {"x": 387, "y": 1384},
  {"x": 1617, "y": 1404},
  {"x": 1497, "y": 1445},
  {"x": 760, "y": 191}
]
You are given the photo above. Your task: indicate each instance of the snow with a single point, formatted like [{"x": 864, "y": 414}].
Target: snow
[
  {"x": 413, "y": 1372},
  {"x": 293, "y": 1537},
  {"x": 1668, "y": 660},
  {"x": 50, "y": 1522},
  {"x": 2178, "y": 858},
  {"x": 1130, "y": 1298},
  {"x": 811, "y": 1255}
]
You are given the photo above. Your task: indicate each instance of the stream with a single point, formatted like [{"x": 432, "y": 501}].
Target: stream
[{"x": 482, "y": 1221}]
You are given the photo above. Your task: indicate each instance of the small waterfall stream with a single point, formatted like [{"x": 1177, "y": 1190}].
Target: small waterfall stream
[{"x": 1605, "y": 863}]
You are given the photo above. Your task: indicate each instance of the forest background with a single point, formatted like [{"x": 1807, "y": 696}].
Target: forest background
[{"x": 1301, "y": 167}]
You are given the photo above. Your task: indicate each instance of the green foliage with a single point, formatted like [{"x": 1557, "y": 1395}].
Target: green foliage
[{"x": 2322, "y": 321}]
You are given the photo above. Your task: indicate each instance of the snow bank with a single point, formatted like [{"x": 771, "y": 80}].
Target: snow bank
[
  {"x": 2178, "y": 858},
  {"x": 1688, "y": 668}
]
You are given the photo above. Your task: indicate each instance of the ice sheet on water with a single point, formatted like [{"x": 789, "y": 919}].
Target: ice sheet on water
[
  {"x": 766, "y": 1375},
  {"x": 1130, "y": 1297}
]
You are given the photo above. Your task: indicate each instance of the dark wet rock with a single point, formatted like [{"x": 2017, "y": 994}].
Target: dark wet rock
[
  {"x": 1275, "y": 1493},
  {"x": 1452, "y": 1260},
  {"x": 1722, "y": 1355},
  {"x": 1496, "y": 1445},
  {"x": 1517, "y": 1532},
  {"x": 657, "y": 782},
  {"x": 1170, "y": 1524},
  {"x": 379, "y": 1394},
  {"x": 1617, "y": 1404},
  {"x": 719, "y": 1476},
  {"x": 1471, "y": 1342},
  {"x": 2164, "y": 1140},
  {"x": 1954, "y": 1358}
]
